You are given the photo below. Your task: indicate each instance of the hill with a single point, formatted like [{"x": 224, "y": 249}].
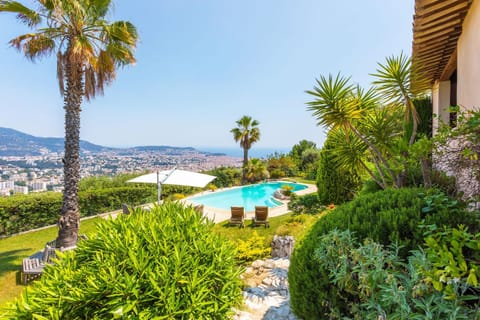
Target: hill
[{"x": 16, "y": 143}]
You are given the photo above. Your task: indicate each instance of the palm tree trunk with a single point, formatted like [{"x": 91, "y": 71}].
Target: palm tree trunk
[
  {"x": 69, "y": 222},
  {"x": 375, "y": 151},
  {"x": 414, "y": 114},
  {"x": 245, "y": 163}
]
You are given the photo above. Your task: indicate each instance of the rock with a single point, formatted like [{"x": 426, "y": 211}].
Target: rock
[
  {"x": 269, "y": 298},
  {"x": 282, "y": 247}
]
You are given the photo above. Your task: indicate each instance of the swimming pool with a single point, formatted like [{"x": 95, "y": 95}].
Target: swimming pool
[{"x": 248, "y": 196}]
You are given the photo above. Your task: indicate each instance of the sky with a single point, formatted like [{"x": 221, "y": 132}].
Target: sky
[{"x": 202, "y": 65}]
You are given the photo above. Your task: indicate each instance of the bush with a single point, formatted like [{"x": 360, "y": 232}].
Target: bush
[
  {"x": 335, "y": 184},
  {"x": 393, "y": 216},
  {"x": 166, "y": 264},
  {"x": 388, "y": 217},
  {"x": 226, "y": 176},
  {"x": 252, "y": 249},
  {"x": 368, "y": 281},
  {"x": 25, "y": 212},
  {"x": 309, "y": 203}
]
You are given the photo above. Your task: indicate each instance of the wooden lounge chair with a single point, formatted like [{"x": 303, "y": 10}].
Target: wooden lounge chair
[
  {"x": 237, "y": 216},
  {"x": 199, "y": 209},
  {"x": 261, "y": 216}
]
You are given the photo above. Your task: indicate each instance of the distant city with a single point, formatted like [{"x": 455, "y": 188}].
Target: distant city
[{"x": 33, "y": 164}]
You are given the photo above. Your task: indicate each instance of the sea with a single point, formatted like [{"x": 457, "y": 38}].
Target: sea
[{"x": 261, "y": 153}]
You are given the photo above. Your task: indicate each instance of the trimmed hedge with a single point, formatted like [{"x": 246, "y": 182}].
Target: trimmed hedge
[
  {"x": 162, "y": 264},
  {"x": 389, "y": 216},
  {"x": 25, "y": 212}
]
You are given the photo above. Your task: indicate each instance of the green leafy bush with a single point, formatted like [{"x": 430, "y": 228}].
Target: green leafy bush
[
  {"x": 162, "y": 264},
  {"x": 368, "y": 281},
  {"x": 392, "y": 216},
  {"x": 309, "y": 203},
  {"x": 334, "y": 183},
  {"x": 252, "y": 248},
  {"x": 226, "y": 176},
  {"x": 25, "y": 212},
  {"x": 455, "y": 257}
]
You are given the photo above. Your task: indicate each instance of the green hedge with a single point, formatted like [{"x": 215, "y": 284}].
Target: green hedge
[
  {"x": 162, "y": 264},
  {"x": 25, "y": 212},
  {"x": 390, "y": 216}
]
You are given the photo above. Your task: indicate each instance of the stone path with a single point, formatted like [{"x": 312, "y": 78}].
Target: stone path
[{"x": 266, "y": 296}]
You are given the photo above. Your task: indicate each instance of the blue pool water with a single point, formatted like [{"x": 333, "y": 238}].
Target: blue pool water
[{"x": 248, "y": 196}]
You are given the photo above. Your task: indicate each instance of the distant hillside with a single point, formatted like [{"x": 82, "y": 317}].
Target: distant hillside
[{"x": 16, "y": 143}]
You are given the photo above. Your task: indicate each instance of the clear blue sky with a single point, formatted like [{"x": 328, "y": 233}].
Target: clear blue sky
[{"x": 201, "y": 65}]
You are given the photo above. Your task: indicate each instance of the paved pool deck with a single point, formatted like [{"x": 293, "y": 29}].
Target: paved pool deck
[{"x": 219, "y": 215}]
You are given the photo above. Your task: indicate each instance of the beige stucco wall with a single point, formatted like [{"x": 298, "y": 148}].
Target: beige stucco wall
[
  {"x": 440, "y": 104},
  {"x": 468, "y": 63}
]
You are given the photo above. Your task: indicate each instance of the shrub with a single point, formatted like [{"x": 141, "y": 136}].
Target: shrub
[
  {"x": 368, "y": 281},
  {"x": 252, "y": 249},
  {"x": 389, "y": 217},
  {"x": 334, "y": 183},
  {"x": 166, "y": 264},
  {"x": 25, "y": 212},
  {"x": 226, "y": 176},
  {"x": 393, "y": 216},
  {"x": 309, "y": 203}
]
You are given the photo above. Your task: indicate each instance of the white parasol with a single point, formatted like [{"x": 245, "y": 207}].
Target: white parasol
[{"x": 176, "y": 177}]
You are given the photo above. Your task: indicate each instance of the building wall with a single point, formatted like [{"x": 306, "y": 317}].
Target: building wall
[
  {"x": 468, "y": 63},
  {"x": 440, "y": 104}
]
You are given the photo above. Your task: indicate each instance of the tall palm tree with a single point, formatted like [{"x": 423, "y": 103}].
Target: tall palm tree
[
  {"x": 247, "y": 133},
  {"x": 88, "y": 49}
]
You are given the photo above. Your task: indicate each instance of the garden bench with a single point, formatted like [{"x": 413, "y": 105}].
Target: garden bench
[{"x": 32, "y": 267}]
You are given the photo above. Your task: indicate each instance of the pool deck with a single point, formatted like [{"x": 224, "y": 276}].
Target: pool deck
[{"x": 219, "y": 215}]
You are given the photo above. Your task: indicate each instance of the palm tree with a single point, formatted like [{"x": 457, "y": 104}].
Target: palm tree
[
  {"x": 247, "y": 133},
  {"x": 399, "y": 82},
  {"x": 88, "y": 49},
  {"x": 339, "y": 105},
  {"x": 256, "y": 170}
]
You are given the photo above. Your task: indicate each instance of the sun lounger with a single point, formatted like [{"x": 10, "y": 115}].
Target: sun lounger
[
  {"x": 237, "y": 216},
  {"x": 261, "y": 216},
  {"x": 199, "y": 209}
]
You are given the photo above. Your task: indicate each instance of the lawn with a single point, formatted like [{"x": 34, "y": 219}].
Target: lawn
[
  {"x": 15, "y": 248},
  {"x": 287, "y": 224}
]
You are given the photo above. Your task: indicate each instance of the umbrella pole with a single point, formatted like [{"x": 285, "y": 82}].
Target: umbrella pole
[{"x": 159, "y": 188}]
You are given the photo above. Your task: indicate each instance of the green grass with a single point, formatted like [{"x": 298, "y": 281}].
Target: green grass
[
  {"x": 15, "y": 248},
  {"x": 288, "y": 224}
]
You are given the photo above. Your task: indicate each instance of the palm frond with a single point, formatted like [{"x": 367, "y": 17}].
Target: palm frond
[
  {"x": 25, "y": 15},
  {"x": 34, "y": 45}
]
